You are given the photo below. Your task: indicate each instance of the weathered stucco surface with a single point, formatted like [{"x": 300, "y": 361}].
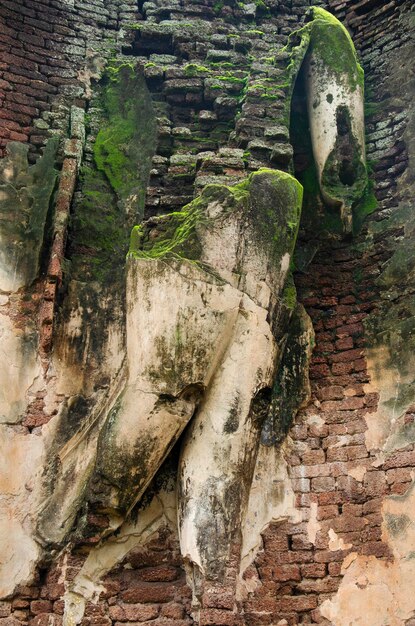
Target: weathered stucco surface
[{"x": 375, "y": 592}]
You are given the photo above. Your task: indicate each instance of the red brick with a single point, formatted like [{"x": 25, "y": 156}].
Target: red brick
[
  {"x": 331, "y": 405},
  {"x": 287, "y": 572},
  {"x": 299, "y": 556},
  {"x": 297, "y": 603},
  {"x": 352, "y": 403},
  {"x": 335, "y": 569},
  {"x": 217, "y": 617},
  {"x": 334, "y": 392},
  {"x": 339, "y": 369},
  {"x": 399, "y": 475},
  {"x": 325, "y": 585},
  {"x": 5, "y": 608},
  {"x": 318, "y": 430},
  {"x": 357, "y": 452},
  {"x": 345, "y": 343},
  {"x": 299, "y": 432},
  {"x": 399, "y": 489},
  {"x": 327, "y": 512},
  {"x": 329, "y": 498},
  {"x": 303, "y": 500},
  {"x": 375, "y": 483},
  {"x": 324, "y": 346},
  {"x": 400, "y": 459},
  {"x": 218, "y": 597},
  {"x": 375, "y": 548},
  {"x": 173, "y": 610},
  {"x": 360, "y": 365},
  {"x": 301, "y": 542},
  {"x": 352, "y": 509},
  {"x": 348, "y": 523},
  {"x": 59, "y": 607},
  {"x": 275, "y": 542},
  {"x": 313, "y": 570},
  {"x": 313, "y": 457},
  {"x": 54, "y": 591},
  {"x": 321, "y": 483},
  {"x": 328, "y": 556},
  {"x": 319, "y": 371},
  {"x": 356, "y": 426},
  {"x": 336, "y": 454},
  {"x": 350, "y": 330},
  {"x": 160, "y": 621},
  {"x": 348, "y": 300},
  {"x": 310, "y": 471},
  {"x": 146, "y": 592},
  {"x": 161, "y": 573},
  {"x": 45, "y": 619},
  {"x": 40, "y": 606},
  {"x": 328, "y": 302}
]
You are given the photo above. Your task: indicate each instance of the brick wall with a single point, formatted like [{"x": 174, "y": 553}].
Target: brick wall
[
  {"x": 337, "y": 481},
  {"x": 43, "y": 47},
  {"x": 337, "y": 486}
]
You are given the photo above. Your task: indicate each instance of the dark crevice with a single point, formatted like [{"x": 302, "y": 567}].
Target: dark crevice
[{"x": 347, "y": 173}]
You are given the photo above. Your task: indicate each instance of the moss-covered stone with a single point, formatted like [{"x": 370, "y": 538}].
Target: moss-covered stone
[
  {"x": 365, "y": 206},
  {"x": 112, "y": 191},
  {"x": 322, "y": 74},
  {"x": 126, "y": 141},
  {"x": 98, "y": 230},
  {"x": 332, "y": 42},
  {"x": 324, "y": 35},
  {"x": 269, "y": 200},
  {"x": 344, "y": 179}
]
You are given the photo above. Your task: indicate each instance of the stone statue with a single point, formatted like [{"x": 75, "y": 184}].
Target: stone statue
[{"x": 209, "y": 298}]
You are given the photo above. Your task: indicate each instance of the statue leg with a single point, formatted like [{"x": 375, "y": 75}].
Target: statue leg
[
  {"x": 179, "y": 323},
  {"x": 220, "y": 449}
]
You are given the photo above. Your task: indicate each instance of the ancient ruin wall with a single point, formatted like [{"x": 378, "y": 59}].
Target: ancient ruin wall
[{"x": 342, "y": 539}]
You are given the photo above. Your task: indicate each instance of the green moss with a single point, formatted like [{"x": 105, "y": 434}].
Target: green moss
[
  {"x": 176, "y": 236},
  {"x": 98, "y": 230},
  {"x": 229, "y": 78},
  {"x": 269, "y": 199},
  {"x": 317, "y": 218},
  {"x": 218, "y": 6},
  {"x": 331, "y": 41},
  {"x": 328, "y": 39},
  {"x": 331, "y": 223},
  {"x": 126, "y": 141},
  {"x": 262, "y": 9},
  {"x": 289, "y": 295},
  {"x": 372, "y": 108},
  {"x": 332, "y": 183},
  {"x": 267, "y": 60},
  {"x": 113, "y": 192},
  {"x": 270, "y": 97},
  {"x": 309, "y": 180},
  {"x": 193, "y": 69},
  {"x": 366, "y": 205}
]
